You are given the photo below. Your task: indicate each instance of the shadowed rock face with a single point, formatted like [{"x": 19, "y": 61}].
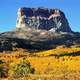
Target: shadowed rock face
[
  {"x": 43, "y": 18},
  {"x": 36, "y": 39}
]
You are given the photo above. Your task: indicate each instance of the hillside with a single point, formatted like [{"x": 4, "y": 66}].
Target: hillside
[
  {"x": 37, "y": 39},
  {"x": 51, "y": 30},
  {"x": 42, "y": 47},
  {"x": 55, "y": 64}
]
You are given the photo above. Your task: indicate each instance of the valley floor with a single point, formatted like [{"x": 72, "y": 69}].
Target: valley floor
[{"x": 55, "y": 64}]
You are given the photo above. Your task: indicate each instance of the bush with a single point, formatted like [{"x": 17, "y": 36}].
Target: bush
[
  {"x": 1, "y": 62},
  {"x": 3, "y": 72},
  {"x": 3, "y": 69},
  {"x": 21, "y": 69}
]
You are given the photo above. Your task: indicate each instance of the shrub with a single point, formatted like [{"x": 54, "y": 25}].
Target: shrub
[
  {"x": 21, "y": 69},
  {"x": 1, "y": 62},
  {"x": 3, "y": 69},
  {"x": 3, "y": 72}
]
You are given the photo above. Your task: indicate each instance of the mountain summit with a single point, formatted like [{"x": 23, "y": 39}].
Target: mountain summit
[
  {"x": 43, "y": 18},
  {"x": 39, "y": 28}
]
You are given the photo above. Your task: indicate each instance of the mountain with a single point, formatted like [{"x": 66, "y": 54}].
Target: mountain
[
  {"x": 39, "y": 28},
  {"x": 43, "y": 18}
]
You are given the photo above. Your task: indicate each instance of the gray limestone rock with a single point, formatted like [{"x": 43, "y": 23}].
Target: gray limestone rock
[
  {"x": 43, "y": 18},
  {"x": 39, "y": 28}
]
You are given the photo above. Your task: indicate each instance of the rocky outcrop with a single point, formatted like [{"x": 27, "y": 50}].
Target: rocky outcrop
[
  {"x": 43, "y": 18},
  {"x": 39, "y": 28}
]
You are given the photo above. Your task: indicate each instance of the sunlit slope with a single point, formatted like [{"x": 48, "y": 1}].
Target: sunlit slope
[{"x": 54, "y": 64}]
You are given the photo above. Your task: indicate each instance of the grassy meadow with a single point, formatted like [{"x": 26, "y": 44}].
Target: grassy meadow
[{"x": 54, "y": 64}]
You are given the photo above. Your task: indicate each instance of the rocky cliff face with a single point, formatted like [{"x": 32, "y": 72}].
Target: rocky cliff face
[
  {"x": 42, "y": 18},
  {"x": 39, "y": 29}
]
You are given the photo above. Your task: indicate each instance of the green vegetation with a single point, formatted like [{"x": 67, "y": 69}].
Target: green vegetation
[{"x": 21, "y": 69}]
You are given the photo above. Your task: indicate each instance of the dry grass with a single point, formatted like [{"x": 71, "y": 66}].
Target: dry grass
[{"x": 47, "y": 67}]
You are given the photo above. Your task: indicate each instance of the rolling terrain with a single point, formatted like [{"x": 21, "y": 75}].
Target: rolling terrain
[{"x": 42, "y": 47}]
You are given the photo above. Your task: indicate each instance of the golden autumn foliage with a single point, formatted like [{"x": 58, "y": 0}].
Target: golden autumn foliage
[
  {"x": 58, "y": 51},
  {"x": 55, "y": 64}
]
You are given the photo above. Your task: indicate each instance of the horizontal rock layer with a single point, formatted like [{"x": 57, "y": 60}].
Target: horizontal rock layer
[{"x": 43, "y": 18}]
